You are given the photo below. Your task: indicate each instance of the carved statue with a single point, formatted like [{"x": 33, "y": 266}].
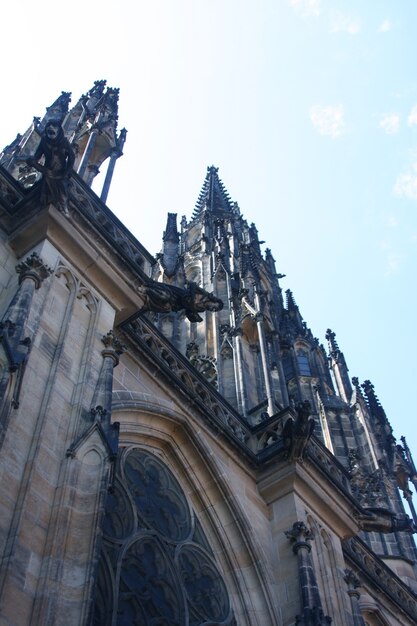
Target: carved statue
[
  {"x": 297, "y": 432},
  {"x": 57, "y": 166},
  {"x": 163, "y": 298}
]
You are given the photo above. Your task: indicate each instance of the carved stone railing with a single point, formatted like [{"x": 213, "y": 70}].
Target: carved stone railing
[
  {"x": 370, "y": 566},
  {"x": 82, "y": 200},
  {"x": 267, "y": 436},
  {"x": 330, "y": 466},
  {"x": 197, "y": 388}
]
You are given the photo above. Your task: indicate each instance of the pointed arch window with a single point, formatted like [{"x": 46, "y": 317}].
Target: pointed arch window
[
  {"x": 156, "y": 566},
  {"x": 303, "y": 362}
]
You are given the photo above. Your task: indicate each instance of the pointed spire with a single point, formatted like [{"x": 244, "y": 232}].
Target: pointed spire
[
  {"x": 331, "y": 338},
  {"x": 171, "y": 231},
  {"x": 59, "y": 109},
  {"x": 339, "y": 367},
  {"x": 291, "y": 304},
  {"x": 358, "y": 395},
  {"x": 213, "y": 195},
  {"x": 373, "y": 402},
  {"x": 14, "y": 156}
]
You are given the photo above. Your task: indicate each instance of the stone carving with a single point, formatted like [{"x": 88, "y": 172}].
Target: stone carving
[
  {"x": 163, "y": 298},
  {"x": 56, "y": 169},
  {"x": 384, "y": 521},
  {"x": 297, "y": 432},
  {"x": 374, "y": 568},
  {"x": 143, "y": 333},
  {"x": 203, "y": 363}
]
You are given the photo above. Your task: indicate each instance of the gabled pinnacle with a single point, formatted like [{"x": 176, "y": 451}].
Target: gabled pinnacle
[
  {"x": 59, "y": 109},
  {"x": 373, "y": 401},
  {"x": 331, "y": 338},
  {"x": 171, "y": 231},
  {"x": 213, "y": 195},
  {"x": 291, "y": 304}
]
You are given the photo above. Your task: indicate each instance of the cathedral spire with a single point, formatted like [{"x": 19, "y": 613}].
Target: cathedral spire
[
  {"x": 213, "y": 195},
  {"x": 339, "y": 367}
]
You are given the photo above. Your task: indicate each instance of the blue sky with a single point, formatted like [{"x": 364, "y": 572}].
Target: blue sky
[{"x": 308, "y": 108}]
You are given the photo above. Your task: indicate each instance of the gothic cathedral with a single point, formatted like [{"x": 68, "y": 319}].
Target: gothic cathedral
[{"x": 176, "y": 447}]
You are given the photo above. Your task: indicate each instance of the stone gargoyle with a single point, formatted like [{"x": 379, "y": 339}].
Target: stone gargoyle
[
  {"x": 164, "y": 298},
  {"x": 297, "y": 431},
  {"x": 383, "y": 521},
  {"x": 58, "y": 160}
]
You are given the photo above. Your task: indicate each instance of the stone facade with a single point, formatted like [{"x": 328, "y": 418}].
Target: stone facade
[{"x": 158, "y": 470}]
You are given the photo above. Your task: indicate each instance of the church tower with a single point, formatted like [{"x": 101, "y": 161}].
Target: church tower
[
  {"x": 176, "y": 447},
  {"x": 263, "y": 358}
]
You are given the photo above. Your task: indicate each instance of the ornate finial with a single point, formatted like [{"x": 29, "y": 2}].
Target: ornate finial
[
  {"x": 121, "y": 139},
  {"x": 291, "y": 304},
  {"x": 331, "y": 338},
  {"x": 352, "y": 582},
  {"x": 300, "y": 536},
  {"x": 33, "y": 267},
  {"x": 372, "y": 401},
  {"x": 113, "y": 347}
]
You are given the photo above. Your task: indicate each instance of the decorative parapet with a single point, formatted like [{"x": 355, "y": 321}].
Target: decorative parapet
[
  {"x": 327, "y": 462},
  {"x": 178, "y": 366},
  {"x": 17, "y": 201},
  {"x": 371, "y": 567}
]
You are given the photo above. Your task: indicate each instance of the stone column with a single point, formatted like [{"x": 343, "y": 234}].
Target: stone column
[
  {"x": 267, "y": 380},
  {"x": 240, "y": 383},
  {"x": 312, "y": 612},
  {"x": 102, "y": 399},
  {"x": 115, "y": 154},
  {"x": 87, "y": 152},
  {"x": 32, "y": 272},
  {"x": 353, "y": 583}
]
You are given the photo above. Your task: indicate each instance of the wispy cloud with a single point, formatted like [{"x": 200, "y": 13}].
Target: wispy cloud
[
  {"x": 385, "y": 26},
  {"x": 406, "y": 183},
  {"x": 342, "y": 23},
  {"x": 412, "y": 118},
  {"x": 390, "y": 123},
  {"x": 393, "y": 259},
  {"x": 307, "y": 8},
  {"x": 329, "y": 120}
]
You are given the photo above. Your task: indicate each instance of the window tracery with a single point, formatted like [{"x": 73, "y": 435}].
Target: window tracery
[{"x": 156, "y": 567}]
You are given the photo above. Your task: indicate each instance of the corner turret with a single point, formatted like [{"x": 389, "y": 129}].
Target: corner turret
[{"x": 91, "y": 129}]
